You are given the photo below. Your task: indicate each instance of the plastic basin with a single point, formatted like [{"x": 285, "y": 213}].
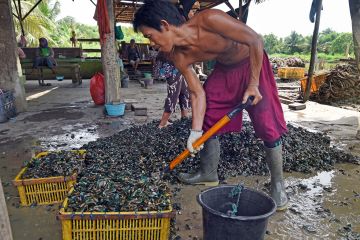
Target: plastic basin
[{"x": 115, "y": 110}]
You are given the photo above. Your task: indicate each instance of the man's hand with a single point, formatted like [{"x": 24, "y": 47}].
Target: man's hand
[
  {"x": 194, "y": 135},
  {"x": 252, "y": 90}
]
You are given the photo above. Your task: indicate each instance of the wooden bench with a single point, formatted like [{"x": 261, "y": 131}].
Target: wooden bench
[{"x": 66, "y": 58}]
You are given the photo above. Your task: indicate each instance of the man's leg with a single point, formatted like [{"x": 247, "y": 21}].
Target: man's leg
[
  {"x": 274, "y": 160},
  {"x": 209, "y": 162}
]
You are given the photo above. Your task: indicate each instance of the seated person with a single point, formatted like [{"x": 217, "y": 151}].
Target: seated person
[
  {"x": 20, "y": 52},
  {"x": 119, "y": 60},
  {"x": 133, "y": 52},
  {"x": 44, "y": 57}
]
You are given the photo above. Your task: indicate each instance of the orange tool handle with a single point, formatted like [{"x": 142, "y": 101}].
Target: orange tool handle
[{"x": 218, "y": 125}]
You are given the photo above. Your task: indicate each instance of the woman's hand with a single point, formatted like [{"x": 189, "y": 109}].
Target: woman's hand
[{"x": 252, "y": 90}]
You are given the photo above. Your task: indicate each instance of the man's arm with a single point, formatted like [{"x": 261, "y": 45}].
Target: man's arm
[
  {"x": 218, "y": 22},
  {"x": 197, "y": 96}
]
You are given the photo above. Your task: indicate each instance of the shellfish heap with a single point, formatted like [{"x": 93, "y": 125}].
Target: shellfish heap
[
  {"x": 120, "y": 171},
  {"x": 62, "y": 163},
  {"x": 287, "y": 62},
  {"x": 342, "y": 83}
]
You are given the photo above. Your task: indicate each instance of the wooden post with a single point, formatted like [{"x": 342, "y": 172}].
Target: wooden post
[
  {"x": 240, "y": 10},
  {"x": 5, "y": 228},
  {"x": 355, "y": 21},
  {"x": 9, "y": 76},
  {"x": 313, "y": 52},
  {"x": 232, "y": 9},
  {"x": 108, "y": 57}
]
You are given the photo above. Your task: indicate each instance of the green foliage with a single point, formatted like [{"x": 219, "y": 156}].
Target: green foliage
[
  {"x": 343, "y": 43},
  {"x": 329, "y": 44},
  {"x": 41, "y": 23},
  {"x": 272, "y": 44},
  {"x": 294, "y": 43},
  {"x": 130, "y": 34}
]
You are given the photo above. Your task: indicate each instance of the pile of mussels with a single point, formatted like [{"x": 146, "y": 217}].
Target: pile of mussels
[
  {"x": 62, "y": 163},
  {"x": 121, "y": 172}
]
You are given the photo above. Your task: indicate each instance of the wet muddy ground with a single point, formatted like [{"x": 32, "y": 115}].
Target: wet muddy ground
[{"x": 323, "y": 205}]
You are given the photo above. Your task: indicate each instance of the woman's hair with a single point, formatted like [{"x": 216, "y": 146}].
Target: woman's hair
[
  {"x": 43, "y": 43},
  {"x": 153, "y": 11}
]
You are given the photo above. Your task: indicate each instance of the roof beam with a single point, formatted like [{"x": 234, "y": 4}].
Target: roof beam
[
  {"x": 93, "y": 2},
  {"x": 30, "y": 11},
  {"x": 232, "y": 9}
]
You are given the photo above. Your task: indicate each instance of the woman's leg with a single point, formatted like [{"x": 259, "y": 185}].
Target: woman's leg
[
  {"x": 165, "y": 120},
  {"x": 170, "y": 101},
  {"x": 50, "y": 65},
  {"x": 37, "y": 62},
  {"x": 184, "y": 98}
]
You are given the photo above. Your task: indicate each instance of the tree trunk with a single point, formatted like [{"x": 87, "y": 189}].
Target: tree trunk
[
  {"x": 355, "y": 19},
  {"x": 5, "y": 229},
  {"x": 9, "y": 76},
  {"x": 108, "y": 57}
]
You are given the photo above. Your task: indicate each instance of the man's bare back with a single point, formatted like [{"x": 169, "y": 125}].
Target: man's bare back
[
  {"x": 204, "y": 44},
  {"x": 211, "y": 34}
]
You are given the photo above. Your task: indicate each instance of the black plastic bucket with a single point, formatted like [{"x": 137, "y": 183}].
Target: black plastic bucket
[{"x": 250, "y": 222}]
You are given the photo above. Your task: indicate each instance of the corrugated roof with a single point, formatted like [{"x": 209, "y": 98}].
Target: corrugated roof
[{"x": 125, "y": 9}]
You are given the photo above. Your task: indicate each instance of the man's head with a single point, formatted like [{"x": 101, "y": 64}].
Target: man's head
[
  {"x": 155, "y": 20},
  {"x": 132, "y": 42}
]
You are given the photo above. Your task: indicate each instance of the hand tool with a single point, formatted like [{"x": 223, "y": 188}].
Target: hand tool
[{"x": 209, "y": 133}]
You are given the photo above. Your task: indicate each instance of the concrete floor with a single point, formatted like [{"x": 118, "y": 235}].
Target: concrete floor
[{"x": 56, "y": 112}]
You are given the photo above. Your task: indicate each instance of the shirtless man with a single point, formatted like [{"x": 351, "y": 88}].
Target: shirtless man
[{"x": 242, "y": 70}]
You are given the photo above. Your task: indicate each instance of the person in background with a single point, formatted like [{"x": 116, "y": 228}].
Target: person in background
[
  {"x": 155, "y": 62},
  {"x": 134, "y": 56},
  {"x": 22, "y": 41},
  {"x": 20, "y": 52},
  {"x": 44, "y": 56},
  {"x": 194, "y": 9},
  {"x": 177, "y": 90},
  {"x": 198, "y": 67},
  {"x": 119, "y": 60},
  {"x": 73, "y": 38}
]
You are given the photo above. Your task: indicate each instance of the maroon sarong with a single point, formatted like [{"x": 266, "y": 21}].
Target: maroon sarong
[{"x": 225, "y": 88}]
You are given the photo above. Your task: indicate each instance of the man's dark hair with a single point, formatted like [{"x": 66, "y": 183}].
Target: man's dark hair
[{"x": 153, "y": 11}]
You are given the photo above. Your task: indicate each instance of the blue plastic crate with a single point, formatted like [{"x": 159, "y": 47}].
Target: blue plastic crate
[{"x": 115, "y": 110}]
